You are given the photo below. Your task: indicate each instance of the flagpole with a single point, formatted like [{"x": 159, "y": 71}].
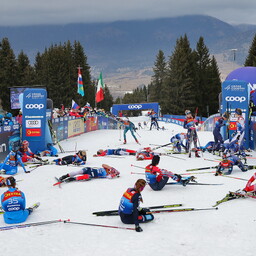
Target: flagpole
[{"x": 96, "y": 86}]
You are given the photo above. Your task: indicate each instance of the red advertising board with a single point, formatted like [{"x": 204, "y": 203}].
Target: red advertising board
[{"x": 33, "y": 132}]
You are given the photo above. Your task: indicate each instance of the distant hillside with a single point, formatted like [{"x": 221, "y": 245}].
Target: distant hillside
[{"x": 124, "y": 46}]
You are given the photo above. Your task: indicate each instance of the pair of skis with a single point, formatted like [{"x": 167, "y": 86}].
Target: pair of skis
[
  {"x": 234, "y": 195},
  {"x": 161, "y": 209}
]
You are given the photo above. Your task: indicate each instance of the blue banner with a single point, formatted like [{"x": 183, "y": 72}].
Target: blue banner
[
  {"x": 235, "y": 94},
  {"x": 135, "y": 106},
  {"x": 34, "y": 118}
]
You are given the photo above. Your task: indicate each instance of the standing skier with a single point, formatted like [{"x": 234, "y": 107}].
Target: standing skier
[
  {"x": 129, "y": 126},
  {"x": 190, "y": 124},
  {"x": 218, "y": 139}
]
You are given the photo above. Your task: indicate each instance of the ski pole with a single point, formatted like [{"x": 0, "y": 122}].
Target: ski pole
[
  {"x": 232, "y": 177},
  {"x": 137, "y": 166},
  {"x": 29, "y": 225},
  {"x": 183, "y": 210},
  {"x": 202, "y": 168},
  {"x": 96, "y": 225},
  {"x": 161, "y": 146},
  {"x": 174, "y": 156},
  {"x": 138, "y": 173}
]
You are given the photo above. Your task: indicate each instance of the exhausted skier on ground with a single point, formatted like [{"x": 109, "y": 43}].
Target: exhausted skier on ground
[
  {"x": 78, "y": 159},
  {"x": 157, "y": 178},
  {"x": 14, "y": 203},
  {"x": 129, "y": 210},
  {"x": 88, "y": 173}
]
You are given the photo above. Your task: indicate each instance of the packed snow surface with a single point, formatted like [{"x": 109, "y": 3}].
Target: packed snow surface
[{"x": 230, "y": 230}]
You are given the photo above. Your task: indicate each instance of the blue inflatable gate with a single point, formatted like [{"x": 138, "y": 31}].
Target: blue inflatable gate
[{"x": 135, "y": 106}]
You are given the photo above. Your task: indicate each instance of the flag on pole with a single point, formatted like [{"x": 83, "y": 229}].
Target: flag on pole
[
  {"x": 74, "y": 105},
  {"x": 80, "y": 87},
  {"x": 100, "y": 89}
]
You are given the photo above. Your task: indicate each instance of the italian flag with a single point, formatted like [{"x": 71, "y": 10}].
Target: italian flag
[{"x": 100, "y": 89}]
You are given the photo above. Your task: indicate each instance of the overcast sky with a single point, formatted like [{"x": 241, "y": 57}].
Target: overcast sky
[{"x": 34, "y": 12}]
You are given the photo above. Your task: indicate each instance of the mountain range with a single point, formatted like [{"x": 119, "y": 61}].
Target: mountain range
[{"x": 125, "y": 51}]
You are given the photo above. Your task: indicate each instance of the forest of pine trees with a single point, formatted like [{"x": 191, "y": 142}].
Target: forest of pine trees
[
  {"x": 55, "y": 69},
  {"x": 187, "y": 79}
]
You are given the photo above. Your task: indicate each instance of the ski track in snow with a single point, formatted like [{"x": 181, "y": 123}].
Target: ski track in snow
[{"x": 227, "y": 231}]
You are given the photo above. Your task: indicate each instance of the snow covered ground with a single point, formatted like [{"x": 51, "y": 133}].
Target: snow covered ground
[{"x": 227, "y": 231}]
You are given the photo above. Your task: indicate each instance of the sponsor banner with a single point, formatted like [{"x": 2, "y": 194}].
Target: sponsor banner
[
  {"x": 91, "y": 124},
  {"x": 33, "y": 132},
  {"x": 34, "y": 118},
  {"x": 14, "y": 96},
  {"x": 75, "y": 127},
  {"x": 7, "y": 139},
  {"x": 134, "y": 106},
  {"x": 235, "y": 94},
  {"x": 36, "y": 123},
  {"x": 232, "y": 126},
  {"x": 102, "y": 123},
  {"x": 170, "y": 120}
]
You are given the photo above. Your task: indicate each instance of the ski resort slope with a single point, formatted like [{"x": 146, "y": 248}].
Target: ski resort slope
[{"x": 228, "y": 231}]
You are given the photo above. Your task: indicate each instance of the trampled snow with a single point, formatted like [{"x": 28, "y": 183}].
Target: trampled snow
[{"x": 227, "y": 231}]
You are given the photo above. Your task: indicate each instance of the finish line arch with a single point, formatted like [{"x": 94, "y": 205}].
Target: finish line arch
[{"x": 135, "y": 106}]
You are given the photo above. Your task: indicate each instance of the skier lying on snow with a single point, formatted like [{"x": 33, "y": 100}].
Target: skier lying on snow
[
  {"x": 145, "y": 154},
  {"x": 78, "y": 159},
  {"x": 118, "y": 152},
  {"x": 229, "y": 160},
  {"x": 157, "y": 178},
  {"x": 88, "y": 173}
]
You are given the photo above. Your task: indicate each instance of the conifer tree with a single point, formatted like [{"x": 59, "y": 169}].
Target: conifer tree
[
  {"x": 214, "y": 87},
  {"x": 179, "y": 86},
  {"x": 156, "y": 85},
  {"x": 25, "y": 73},
  {"x": 251, "y": 58},
  {"x": 8, "y": 72},
  {"x": 202, "y": 58}
]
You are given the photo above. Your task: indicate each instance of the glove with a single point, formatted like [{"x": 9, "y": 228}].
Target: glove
[
  {"x": 138, "y": 229},
  {"x": 238, "y": 137},
  {"x": 144, "y": 211}
]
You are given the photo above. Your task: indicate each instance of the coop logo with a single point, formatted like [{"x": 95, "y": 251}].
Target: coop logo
[
  {"x": 34, "y": 106},
  {"x": 233, "y": 98},
  {"x": 135, "y": 106}
]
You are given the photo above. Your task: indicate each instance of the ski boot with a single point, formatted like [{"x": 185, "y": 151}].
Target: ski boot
[
  {"x": 124, "y": 141},
  {"x": 33, "y": 207},
  {"x": 185, "y": 181},
  {"x": 218, "y": 173},
  {"x": 196, "y": 153},
  {"x": 63, "y": 177}
]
